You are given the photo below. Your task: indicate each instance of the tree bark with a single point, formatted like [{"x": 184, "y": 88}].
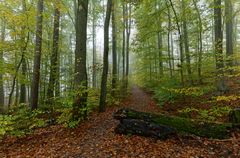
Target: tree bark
[
  {"x": 23, "y": 90},
  {"x": 200, "y": 53},
  {"x": 103, "y": 95},
  {"x": 180, "y": 42},
  {"x": 37, "y": 57},
  {"x": 128, "y": 33},
  {"x": 123, "y": 49},
  {"x": 160, "y": 45},
  {"x": 186, "y": 43},
  {"x": 2, "y": 96},
  {"x": 81, "y": 82},
  {"x": 94, "y": 64},
  {"x": 229, "y": 31},
  {"x": 221, "y": 85},
  {"x": 170, "y": 57},
  {"x": 114, "y": 50},
  {"x": 54, "y": 57}
]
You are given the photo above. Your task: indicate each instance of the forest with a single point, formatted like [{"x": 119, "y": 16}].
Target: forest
[{"x": 119, "y": 78}]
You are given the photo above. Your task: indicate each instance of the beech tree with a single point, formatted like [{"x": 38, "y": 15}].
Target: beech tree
[
  {"x": 221, "y": 85},
  {"x": 55, "y": 56},
  {"x": 81, "y": 82},
  {"x": 37, "y": 57},
  {"x": 1, "y": 65},
  {"x": 103, "y": 94},
  {"x": 114, "y": 49},
  {"x": 229, "y": 30}
]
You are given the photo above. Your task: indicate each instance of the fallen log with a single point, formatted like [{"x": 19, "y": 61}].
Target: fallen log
[
  {"x": 182, "y": 125},
  {"x": 143, "y": 128}
]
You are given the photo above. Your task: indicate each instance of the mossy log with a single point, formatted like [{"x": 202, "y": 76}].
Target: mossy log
[
  {"x": 182, "y": 125},
  {"x": 143, "y": 128}
]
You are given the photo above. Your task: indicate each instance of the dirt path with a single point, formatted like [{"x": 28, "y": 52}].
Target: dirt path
[{"x": 96, "y": 138}]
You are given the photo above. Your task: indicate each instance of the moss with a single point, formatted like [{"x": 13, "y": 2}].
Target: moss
[{"x": 185, "y": 125}]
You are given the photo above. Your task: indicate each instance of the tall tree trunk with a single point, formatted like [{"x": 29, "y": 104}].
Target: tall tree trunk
[
  {"x": 54, "y": 57},
  {"x": 2, "y": 96},
  {"x": 229, "y": 30},
  {"x": 172, "y": 51},
  {"x": 103, "y": 95},
  {"x": 37, "y": 57},
  {"x": 221, "y": 85},
  {"x": 169, "y": 41},
  {"x": 124, "y": 40},
  {"x": 114, "y": 50},
  {"x": 81, "y": 82},
  {"x": 180, "y": 42},
  {"x": 94, "y": 64},
  {"x": 23, "y": 91},
  {"x": 128, "y": 32},
  {"x": 123, "y": 49},
  {"x": 200, "y": 53},
  {"x": 160, "y": 44},
  {"x": 186, "y": 43}
]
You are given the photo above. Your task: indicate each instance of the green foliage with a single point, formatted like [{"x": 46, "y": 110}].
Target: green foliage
[
  {"x": 170, "y": 90},
  {"x": 209, "y": 115},
  {"x": 21, "y": 121},
  {"x": 6, "y": 123}
]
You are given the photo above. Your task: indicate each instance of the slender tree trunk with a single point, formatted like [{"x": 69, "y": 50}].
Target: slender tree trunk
[
  {"x": 172, "y": 51},
  {"x": 114, "y": 50},
  {"x": 2, "y": 96},
  {"x": 52, "y": 85},
  {"x": 37, "y": 57},
  {"x": 123, "y": 49},
  {"x": 124, "y": 40},
  {"x": 169, "y": 46},
  {"x": 186, "y": 43},
  {"x": 160, "y": 44},
  {"x": 229, "y": 31},
  {"x": 16, "y": 101},
  {"x": 15, "y": 79},
  {"x": 128, "y": 32},
  {"x": 23, "y": 91},
  {"x": 221, "y": 85},
  {"x": 94, "y": 64},
  {"x": 200, "y": 26},
  {"x": 180, "y": 42},
  {"x": 103, "y": 95},
  {"x": 81, "y": 80}
]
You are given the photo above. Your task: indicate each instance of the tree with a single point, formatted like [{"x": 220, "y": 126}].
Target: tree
[
  {"x": 81, "y": 82},
  {"x": 128, "y": 33},
  {"x": 186, "y": 42},
  {"x": 37, "y": 57},
  {"x": 114, "y": 49},
  {"x": 25, "y": 40},
  {"x": 229, "y": 30},
  {"x": 54, "y": 57},
  {"x": 200, "y": 26},
  {"x": 1, "y": 65},
  {"x": 123, "y": 41},
  {"x": 180, "y": 41},
  {"x": 221, "y": 85},
  {"x": 103, "y": 95},
  {"x": 94, "y": 62}
]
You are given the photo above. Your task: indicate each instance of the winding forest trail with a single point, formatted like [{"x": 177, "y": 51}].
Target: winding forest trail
[{"x": 95, "y": 138}]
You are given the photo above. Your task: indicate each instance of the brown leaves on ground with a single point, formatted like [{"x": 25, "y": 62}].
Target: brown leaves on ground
[{"x": 96, "y": 138}]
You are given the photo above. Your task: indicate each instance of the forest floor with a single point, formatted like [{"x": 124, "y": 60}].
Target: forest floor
[{"x": 95, "y": 137}]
